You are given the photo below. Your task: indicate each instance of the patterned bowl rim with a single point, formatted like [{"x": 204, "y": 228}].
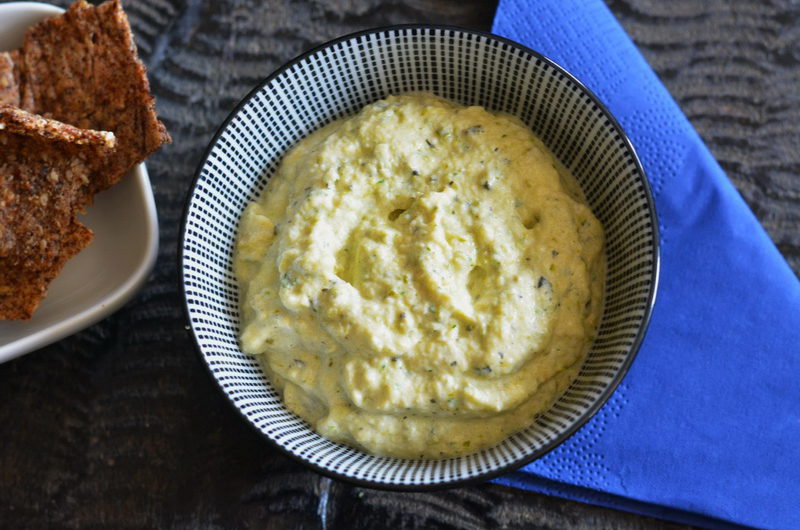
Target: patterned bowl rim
[{"x": 588, "y": 413}]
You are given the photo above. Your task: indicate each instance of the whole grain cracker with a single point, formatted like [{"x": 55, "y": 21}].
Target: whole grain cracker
[
  {"x": 82, "y": 68},
  {"x": 45, "y": 169},
  {"x": 9, "y": 85}
]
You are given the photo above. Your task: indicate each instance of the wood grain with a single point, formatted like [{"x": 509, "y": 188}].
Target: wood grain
[
  {"x": 121, "y": 426},
  {"x": 734, "y": 68}
]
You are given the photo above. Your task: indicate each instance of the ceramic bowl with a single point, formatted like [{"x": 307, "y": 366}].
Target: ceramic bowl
[
  {"x": 112, "y": 269},
  {"x": 336, "y": 80}
]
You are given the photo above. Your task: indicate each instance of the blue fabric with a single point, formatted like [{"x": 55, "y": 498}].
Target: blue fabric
[{"x": 706, "y": 425}]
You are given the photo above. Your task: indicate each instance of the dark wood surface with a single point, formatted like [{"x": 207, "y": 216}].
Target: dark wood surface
[{"x": 120, "y": 425}]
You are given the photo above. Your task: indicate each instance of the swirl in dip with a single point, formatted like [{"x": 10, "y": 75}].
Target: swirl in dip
[{"x": 420, "y": 280}]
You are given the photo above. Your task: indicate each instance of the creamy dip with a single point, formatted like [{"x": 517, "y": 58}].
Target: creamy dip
[{"x": 421, "y": 280}]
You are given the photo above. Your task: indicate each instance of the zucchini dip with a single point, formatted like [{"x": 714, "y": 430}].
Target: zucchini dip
[{"x": 420, "y": 280}]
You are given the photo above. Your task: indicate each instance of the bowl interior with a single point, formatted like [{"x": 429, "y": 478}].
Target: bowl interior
[{"x": 337, "y": 80}]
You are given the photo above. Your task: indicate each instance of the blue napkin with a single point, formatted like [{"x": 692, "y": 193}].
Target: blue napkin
[{"x": 705, "y": 428}]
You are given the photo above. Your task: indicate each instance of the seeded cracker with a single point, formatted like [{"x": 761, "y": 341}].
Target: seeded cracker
[
  {"x": 9, "y": 87},
  {"x": 45, "y": 168},
  {"x": 81, "y": 68}
]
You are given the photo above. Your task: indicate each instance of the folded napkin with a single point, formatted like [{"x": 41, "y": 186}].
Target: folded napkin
[{"x": 705, "y": 428}]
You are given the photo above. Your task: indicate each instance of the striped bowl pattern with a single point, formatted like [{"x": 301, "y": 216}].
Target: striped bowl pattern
[{"x": 338, "y": 79}]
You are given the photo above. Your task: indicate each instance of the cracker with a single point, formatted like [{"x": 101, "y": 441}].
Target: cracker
[
  {"x": 85, "y": 117},
  {"x": 9, "y": 85},
  {"x": 22, "y": 288},
  {"x": 18, "y": 121},
  {"x": 82, "y": 68},
  {"x": 45, "y": 170}
]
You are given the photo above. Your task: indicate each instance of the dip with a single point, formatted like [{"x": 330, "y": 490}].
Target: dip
[{"x": 420, "y": 280}]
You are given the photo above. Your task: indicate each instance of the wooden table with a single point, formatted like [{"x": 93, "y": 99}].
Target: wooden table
[{"x": 121, "y": 426}]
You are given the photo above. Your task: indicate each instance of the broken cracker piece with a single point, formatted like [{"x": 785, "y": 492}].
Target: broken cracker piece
[
  {"x": 22, "y": 288},
  {"x": 45, "y": 169},
  {"x": 82, "y": 68},
  {"x": 9, "y": 85},
  {"x": 18, "y": 121}
]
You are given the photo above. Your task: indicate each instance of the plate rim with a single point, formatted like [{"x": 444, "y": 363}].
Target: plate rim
[{"x": 43, "y": 6}]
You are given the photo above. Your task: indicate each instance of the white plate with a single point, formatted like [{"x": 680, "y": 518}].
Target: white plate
[{"x": 99, "y": 280}]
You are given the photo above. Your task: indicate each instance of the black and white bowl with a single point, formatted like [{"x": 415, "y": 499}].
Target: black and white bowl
[{"x": 338, "y": 79}]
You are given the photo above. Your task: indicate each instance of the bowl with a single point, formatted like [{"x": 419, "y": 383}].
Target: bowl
[
  {"x": 107, "y": 273},
  {"x": 336, "y": 80}
]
